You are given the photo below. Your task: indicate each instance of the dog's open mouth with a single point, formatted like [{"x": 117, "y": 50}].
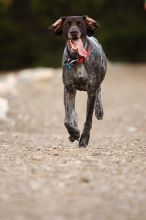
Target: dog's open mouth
[{"x": 77, "y": 47}]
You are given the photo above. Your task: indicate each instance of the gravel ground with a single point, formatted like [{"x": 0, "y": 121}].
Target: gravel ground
[{"x": 45, "y": 177}]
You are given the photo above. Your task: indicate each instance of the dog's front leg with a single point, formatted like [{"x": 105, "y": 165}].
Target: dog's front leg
[
  {"x": 70, "y": 114},
  {"x": 88, "y": 123}
]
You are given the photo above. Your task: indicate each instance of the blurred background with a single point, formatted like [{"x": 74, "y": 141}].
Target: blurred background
[
  {"x": 26, "y": 42},
  {"x": 39, "y": 167}
]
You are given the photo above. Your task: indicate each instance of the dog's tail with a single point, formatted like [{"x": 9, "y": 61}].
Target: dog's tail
[{"x": 98, "y": 105}]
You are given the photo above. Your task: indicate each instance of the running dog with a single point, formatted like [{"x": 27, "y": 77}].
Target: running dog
[{"x": 84, "y": 68}]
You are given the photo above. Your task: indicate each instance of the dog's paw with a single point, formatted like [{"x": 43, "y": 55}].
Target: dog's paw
[
  {"x": 72, "y": 139},
  {"x": 84, "y": 141},
  {"x": 99, "y": 114},
  {"x": 75, "y": 136}
]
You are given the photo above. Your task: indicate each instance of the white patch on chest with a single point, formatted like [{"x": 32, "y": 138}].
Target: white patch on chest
[{"x": 81, "y": 71}]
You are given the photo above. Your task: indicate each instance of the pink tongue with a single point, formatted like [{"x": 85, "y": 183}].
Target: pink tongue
[{"x": 77, "y": 47}]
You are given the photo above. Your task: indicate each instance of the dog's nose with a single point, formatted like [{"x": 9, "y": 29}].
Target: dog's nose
[{"x": 74, "y": 33}]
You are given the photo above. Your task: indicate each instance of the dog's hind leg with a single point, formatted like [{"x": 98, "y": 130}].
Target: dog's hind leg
[
  {"x": 70, "y": 115},
  {"x": 98, "y": 105}
]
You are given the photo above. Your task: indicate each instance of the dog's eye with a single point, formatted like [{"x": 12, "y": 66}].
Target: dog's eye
[
  {"x": 67, "y": 24},
  {"x": 79, "y": 23}
]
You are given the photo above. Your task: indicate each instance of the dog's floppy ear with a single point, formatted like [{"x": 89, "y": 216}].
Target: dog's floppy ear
[
  {"x": 56, "y": 27},
  {"x": 91, "y": 25}
]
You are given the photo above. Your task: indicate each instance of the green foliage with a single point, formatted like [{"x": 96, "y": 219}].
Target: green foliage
[{"x": 26, "y": 42}]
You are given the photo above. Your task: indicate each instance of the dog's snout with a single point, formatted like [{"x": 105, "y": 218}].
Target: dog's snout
[{"x": 74, "y": 33}]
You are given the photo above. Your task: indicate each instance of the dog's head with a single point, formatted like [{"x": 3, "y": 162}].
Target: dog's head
[{"x": 74, "y": 27}]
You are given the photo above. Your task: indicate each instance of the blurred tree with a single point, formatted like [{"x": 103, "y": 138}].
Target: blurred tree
[
  {"x": 145, "y": 5},
  {"x": 25, "y": 41}
]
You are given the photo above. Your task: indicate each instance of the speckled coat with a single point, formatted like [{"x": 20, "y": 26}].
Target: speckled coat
[
  {"x": 84, "y": 76},
  {"x": 89, "y": 74}
]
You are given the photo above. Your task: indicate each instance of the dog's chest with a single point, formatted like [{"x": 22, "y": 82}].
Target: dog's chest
[
  {"x": 80, "y": 72},
  {"x": 80, "y": 77}
]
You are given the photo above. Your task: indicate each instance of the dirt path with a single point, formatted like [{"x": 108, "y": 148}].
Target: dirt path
[{"x": 45, "y": 177}]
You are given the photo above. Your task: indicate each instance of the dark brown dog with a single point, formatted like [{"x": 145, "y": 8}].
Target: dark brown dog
[{"x": 84, "y": 68}]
